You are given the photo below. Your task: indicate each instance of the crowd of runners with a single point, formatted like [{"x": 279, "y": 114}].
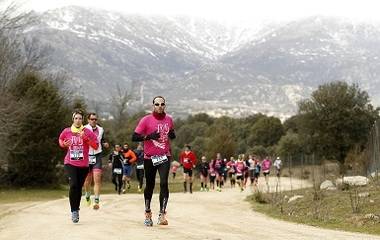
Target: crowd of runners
[
  {"x": 218, "y": 171},
  {"x": 83, "y": 163}
]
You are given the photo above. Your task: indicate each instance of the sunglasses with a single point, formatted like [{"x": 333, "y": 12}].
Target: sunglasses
[
  {"x": 157, "y": 104},
  {"x": 93, "y": 119}
]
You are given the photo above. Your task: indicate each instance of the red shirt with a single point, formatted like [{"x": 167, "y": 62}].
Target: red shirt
[{"x": 188, "y": 160}]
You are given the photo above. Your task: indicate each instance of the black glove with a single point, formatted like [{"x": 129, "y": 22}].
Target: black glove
[
  {"x": 171, "y": 134},
  {"x": 153, "y": 136}
]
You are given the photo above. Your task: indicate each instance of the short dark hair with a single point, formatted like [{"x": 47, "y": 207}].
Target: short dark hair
[
  {"x": 89, "y": 114},
  {"x": 188, "y": 146},
  {"x": 158, "y": 97}
]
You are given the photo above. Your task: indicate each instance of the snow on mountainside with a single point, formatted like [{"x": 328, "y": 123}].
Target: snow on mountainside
[{"x": 205, "y": 66}]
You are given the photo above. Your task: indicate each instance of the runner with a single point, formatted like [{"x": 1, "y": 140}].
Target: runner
[
  {"x": 240, "y": 169},
  {"x": 129, "y": 159},
  {"x": 266, "y": 165},
  {"x": 204, "y": 168},
  {"x": 257, "y": 174},
  {"x": 175, "y": 166},
  {"x": 225, "y": 170},
  {"x": 232, "y": 171},
  {"x": 188, "y": 160},
  {"x": 116, "y": 160},
  {"x": 278, "y": 164},
  {"x": 77, "y": 140},
  {"x": 155, "y": 130},
  {"x": 219, "y": 168},
  {"x": 246, "y": 172},
  {"x": 95, "y": 161},
  {"x": 212, "y": 173},
  {"x": 251, "y": 169},
  {"x": 139, "y": 152}
]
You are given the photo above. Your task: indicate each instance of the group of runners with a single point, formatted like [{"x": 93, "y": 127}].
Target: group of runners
[
  {"x": 219, "y": 170},
  {"x": 84, "y": 146}
]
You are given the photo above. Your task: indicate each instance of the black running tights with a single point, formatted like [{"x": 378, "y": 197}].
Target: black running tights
[
  {"x": 76, "y": 176},
  {"x": 150, "y": 176}
]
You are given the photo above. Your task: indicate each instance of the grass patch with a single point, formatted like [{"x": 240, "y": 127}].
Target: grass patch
[{"x": 327, "y": 209}]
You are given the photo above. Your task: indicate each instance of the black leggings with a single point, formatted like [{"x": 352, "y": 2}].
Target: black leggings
[
  {"x": 76, "y": 176},
  {"x": 150, "y": 176},
  {"x": 119, "y": 182},
  {"x": 140, "y": 176}
]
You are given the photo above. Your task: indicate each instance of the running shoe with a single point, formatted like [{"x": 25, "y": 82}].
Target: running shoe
[
  {"x": 123, "y": 190},
  {"x": 162, "y": 220},
  {"x": 148, "y": 219},
  {"x": 75, "y": 216},
  {"x": 202, "y": 189},
  {"x": 128, "y": 186},
  {"x": 88, "y": 201},
  {"x": 96, "y": 204}
]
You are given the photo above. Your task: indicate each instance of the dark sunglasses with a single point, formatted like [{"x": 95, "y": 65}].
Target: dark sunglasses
[
  {"x": 157, "y": 104},
  {"x": 93, "y": 119}
]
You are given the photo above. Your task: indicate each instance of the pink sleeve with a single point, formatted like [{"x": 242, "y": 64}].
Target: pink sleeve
[
  {"x": 140, "y": 128},
  {"x": 62, "y": 138},
  {"x": 92, "y": 140}
]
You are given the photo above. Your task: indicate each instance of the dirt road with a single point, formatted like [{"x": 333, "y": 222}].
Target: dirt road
[{"x": 212, "y": 215}]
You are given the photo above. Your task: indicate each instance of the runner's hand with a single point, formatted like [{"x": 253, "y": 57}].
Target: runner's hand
[
  {"x": 83, "y": 136},
  {"x": 66, "y": 142},
  {"x": 153, "y": 136}
]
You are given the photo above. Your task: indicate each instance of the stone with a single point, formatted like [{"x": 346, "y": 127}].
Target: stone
[
  {"x": 295, "y": 197},
  {"x": 353, "y": 181}
]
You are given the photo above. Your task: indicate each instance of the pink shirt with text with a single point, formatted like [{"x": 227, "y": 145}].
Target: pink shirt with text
[
  {"x": 77, "y": 152},
  {"x": 150, "y": 124}
]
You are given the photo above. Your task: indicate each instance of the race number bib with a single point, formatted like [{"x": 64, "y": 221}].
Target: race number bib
[
  {"x": 140, "y": 166},
  {"x": 157, "y": 160},
  {"x": 91, "y": 159},
  {"x": 117, "y": 170},
  {"x": 76, "y": 154}
]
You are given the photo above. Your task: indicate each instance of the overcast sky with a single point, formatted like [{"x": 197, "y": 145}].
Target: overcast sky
[{"x": 228, "y": 10}]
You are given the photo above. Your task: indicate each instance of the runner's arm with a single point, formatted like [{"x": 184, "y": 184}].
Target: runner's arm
[
  {"x": 91, "y": 139},
  {"x": 139, "y": 137},
  {"x": 172, "y": 134},
  {"x": 133, "y": 157}
]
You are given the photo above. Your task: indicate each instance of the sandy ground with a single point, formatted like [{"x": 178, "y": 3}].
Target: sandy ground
[{"x": 202, "y": 215}]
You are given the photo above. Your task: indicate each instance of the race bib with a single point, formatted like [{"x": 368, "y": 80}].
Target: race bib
[
  {"x": 239, "y": 174},
  {"x": 157, "y": 160},
  {"x": 76, "y": 154},
  {"x": 212, "y": 174},
  {"x": 140, "y": 166},
  {"x": 91, "y": 159},
  {"x": 117, "y": 170}
]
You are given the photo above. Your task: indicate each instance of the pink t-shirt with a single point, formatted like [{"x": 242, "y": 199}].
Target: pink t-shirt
[
  {"x": 150, "y": 124},
  {"x": 77, "y": 153},
  {"x": 266, "y": 164},
  {"x": 240, "y": 167}
]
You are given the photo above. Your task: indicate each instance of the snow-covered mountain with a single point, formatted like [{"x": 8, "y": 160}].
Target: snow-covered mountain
[{"x": 206, "y": 66}]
